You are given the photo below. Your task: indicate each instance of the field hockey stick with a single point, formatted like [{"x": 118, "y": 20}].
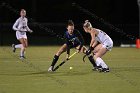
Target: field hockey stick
[
  {"x": 88, "y": 50},
  {"x": 64, "y": 61},
  {"x": 84, "y": 58},
  {"x": 86, "y": 54}
]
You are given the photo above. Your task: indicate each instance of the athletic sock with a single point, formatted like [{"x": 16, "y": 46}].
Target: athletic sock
[
  {"x": 18, "y": 46},
  {"x": 21, "y": 52},
  {"x": 100, "y": 62},
  {"x": 54, "y": 60},
  {"x": 92, "y": 60}
]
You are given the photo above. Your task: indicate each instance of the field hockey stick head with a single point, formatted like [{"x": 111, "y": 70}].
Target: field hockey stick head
[{"x": 84, "y": 58}]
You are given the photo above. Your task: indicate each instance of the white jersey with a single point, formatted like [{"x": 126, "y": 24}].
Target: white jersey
[
  {"x": 104, "y": 39},
  {"x": 21, "y": 24},
  {"x": 21, "y": 27}
]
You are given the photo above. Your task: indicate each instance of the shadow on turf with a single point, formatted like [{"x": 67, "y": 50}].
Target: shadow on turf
[
  {"x": 61, "y": 73},
  {"x": 50, "y": 73},
  {"x": 43, "y": 73},
  {"x": 74, "y": 73},
  {"x": 130, "y": 69}
]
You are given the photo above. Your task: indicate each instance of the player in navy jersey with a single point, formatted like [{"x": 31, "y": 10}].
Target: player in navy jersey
[{"x": 73, "y": 39}]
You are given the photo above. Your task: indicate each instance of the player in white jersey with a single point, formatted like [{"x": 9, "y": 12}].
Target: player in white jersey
[
  {"x": 99, "y": 45},
  {"x": 21, "y": 27}
]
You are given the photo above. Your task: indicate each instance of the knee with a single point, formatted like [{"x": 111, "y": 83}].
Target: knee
[
  {"x": 95, "y": 57},
  {"x": 83, "y": 50},
  {"x": 23, "y": 47},
  {"x": 58, "y": 53}
]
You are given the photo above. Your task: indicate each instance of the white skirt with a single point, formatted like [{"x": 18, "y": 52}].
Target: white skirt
[
  {"x": 108, "y": 44},
  {"x": 20, "y": 35}
]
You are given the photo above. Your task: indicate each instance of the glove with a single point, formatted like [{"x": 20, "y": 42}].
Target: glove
[{"x": 89, "y": 50}]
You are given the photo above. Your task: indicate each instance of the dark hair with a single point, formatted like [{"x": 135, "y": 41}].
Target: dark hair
[{"x": 70, "y": 23}]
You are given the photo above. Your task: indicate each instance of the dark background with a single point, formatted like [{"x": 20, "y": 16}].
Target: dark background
[{"x": 53, "y": 14}]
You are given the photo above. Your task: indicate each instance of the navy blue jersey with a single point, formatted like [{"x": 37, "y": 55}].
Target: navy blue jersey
[{"x": 73, "y": 40}]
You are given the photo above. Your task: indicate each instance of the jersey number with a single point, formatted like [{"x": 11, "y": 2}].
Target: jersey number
[{"x": 103, "y": 32}]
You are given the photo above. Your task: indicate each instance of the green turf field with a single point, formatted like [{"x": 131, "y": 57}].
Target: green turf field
[{"x": 31, "y": 76}]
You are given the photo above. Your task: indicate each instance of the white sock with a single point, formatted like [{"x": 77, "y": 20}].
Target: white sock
[
  {"x": 100, "y": 62},
  {"x": 18, "y": 46},
  {"x": 21, "y": 53},
  {"x": 22, "y": 50}
]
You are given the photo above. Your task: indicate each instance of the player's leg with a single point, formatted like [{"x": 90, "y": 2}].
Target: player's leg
[
  {"x": 60, "y": 51},
  {"x": 23, "y": 41},
  {"x": 26, "y": 42},
  {"x": 18, "y": 36},
  {"x": 97, "y": 48},
  {"x": 99, "y": 61},
  {"x": 23, "y": 46},
  {"x": 14, "y": 47},
  {"x": 83, "y": 49},
  {"x": 101, "y": 50},
  {"x": 90, "y": 57},
  {"x": 56, "y": 56}
]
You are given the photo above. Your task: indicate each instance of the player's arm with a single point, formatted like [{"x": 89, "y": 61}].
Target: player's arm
[
  {"x": 27, "y": 28},
  {"x": 16, "y": 25},
  {"x": 93, "y": 41},
  {"x": 94, "y": 44}
]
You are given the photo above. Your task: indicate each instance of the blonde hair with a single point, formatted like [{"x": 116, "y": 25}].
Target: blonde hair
[
  {"x": 87, "y": 24},
  {"x": 23, "y": 10}
]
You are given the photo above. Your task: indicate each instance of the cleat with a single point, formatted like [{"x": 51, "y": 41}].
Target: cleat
[
  {"x": 22, "y": 57},
  {"x": 97, "y": 68},
  {"x": 50, "y": 69},
  {"x": 105, "y": 70},
  {"x": 13, "y": 48}
]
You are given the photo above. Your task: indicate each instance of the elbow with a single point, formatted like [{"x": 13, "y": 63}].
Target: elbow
[{"x": 13, "y": 27}]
